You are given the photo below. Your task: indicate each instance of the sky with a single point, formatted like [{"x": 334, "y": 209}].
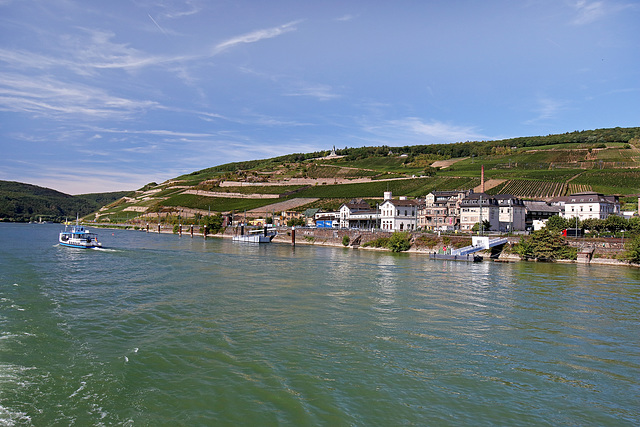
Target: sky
[{"x": 100, "y": 96}]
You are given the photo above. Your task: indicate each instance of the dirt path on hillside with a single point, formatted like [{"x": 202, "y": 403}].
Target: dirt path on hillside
[
  {"x": 443, "y": 164},
  {"x": 283, "y": 206},
  {"x": 489, "y": 184}
]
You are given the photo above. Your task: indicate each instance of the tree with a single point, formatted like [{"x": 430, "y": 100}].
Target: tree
[
  {"x": 545, "y": 245},
  {"x": 593, "y": 224},
  {"x": 633, "y": 250},
  {"x": 399, "y": 241},
  {"x": 615, "y": 223},
  {"x": 633, "y": 225},
  {"x": 486, "y": 226},
  {"x": 524, "y": 248},
  {"x": 212, "y": 224},
  {"x": 296, "y": 222},
  {"x": 556, "y": 224}
]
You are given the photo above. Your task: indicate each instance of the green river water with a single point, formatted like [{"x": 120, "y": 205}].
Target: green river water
[{"x": 161, "y": 330}]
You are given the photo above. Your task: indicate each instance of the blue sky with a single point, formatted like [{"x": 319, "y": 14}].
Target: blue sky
[{"x": 103, "y": 96}]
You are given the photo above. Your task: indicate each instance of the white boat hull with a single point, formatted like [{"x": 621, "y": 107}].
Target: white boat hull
[
  {"x": 79, "y": 238},
  {"x": 254, "y": 238}
]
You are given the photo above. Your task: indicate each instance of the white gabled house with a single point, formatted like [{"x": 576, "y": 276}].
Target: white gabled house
[
  {"x": 589, "y": 205},
  {"x": 358, "y": 214},
  {"x": 399, "y": 215}
]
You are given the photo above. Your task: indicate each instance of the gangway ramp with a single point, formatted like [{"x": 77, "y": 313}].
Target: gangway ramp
[{"x": 479, "y": 243}]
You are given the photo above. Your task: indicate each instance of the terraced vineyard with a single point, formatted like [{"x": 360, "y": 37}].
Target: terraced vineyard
[
  {"x": 577, "y": 188},
  {"x": 531, "y": 189},
  {"x": 542, "y": 168}
]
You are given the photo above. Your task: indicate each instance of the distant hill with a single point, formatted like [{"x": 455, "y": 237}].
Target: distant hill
[
  {"x": 603, "y": 160},
  {"x": 536, "y": 167},
  {"x": 26, "y": 202}
]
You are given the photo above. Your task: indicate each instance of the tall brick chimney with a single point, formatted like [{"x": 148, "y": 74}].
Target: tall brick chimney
[{"x": 482, "y": 180}]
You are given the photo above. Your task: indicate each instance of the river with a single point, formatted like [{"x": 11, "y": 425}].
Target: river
[{"x": 160, "y": 330}]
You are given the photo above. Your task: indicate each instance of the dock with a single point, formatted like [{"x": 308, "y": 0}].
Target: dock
[{"x": 449, "y": 257}]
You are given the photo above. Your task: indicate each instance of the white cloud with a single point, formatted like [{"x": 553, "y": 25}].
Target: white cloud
[
  {"x": 412, "y": 130},
  {"x": 588, "y": 11},
  {"x": 321, "y": 92},
  {"x": 94, "y": 179},
  {"x": 345, "y": 18},
  {"x": 45, "y": 96},
  {"x": 255, "y": 36},
  {"x": 547, "y": 109}
]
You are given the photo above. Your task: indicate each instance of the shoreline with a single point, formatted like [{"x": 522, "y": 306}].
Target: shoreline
[{"x": 329, "y": 242}]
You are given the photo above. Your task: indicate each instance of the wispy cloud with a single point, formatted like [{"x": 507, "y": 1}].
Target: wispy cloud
[
  {"x": 96, "y": 178},
  {"x": 588, "y": 11},
  {"x": 415, "y": 130},
  {"x": 45, "y": 96},
  {"x": 345, "y": 18},
  {"x": 255, "y": 36},
  {"x": 182, "y": 9},
  {"x": 318, "y": 91},
  {"x": 90, "y": 50},
  {"x": 547, "y": 109}
]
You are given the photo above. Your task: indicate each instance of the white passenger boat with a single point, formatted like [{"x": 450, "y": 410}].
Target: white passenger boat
[
  {"x": 78, "y": 237},
  {"x": 265, "y": 235}
]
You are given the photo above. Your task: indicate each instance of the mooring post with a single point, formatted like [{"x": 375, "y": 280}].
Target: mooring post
[
  {"x": 158, "y": 227},
  {"x": 180, "y": 229},
  {"x": 191, "y": 230},
  {"x": 293, "y": 236}
]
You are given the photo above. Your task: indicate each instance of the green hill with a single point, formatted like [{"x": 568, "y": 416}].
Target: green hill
[
  {"x": 602, "y": 160},
  {"x": 26, "y": 202}
]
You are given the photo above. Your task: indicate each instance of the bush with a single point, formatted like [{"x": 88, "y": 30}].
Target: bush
[
  {"x": 399, "y": 242},
  {"x": 212, "y": 224},
  {"x": 296, "y": 222},
  {"x": 633, "y": 250},
  {"x": 556, "y": 224},
  {"x": 380, "y": 242},
  {"x": 427, "y": 241},
  {"x": 544, "y": 245},
  {"x": 345, "y": 240}
]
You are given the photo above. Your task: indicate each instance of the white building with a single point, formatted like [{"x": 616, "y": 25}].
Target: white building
[
  {"x": 479, "y": 207},
  {"x": 358, "y": 214},
  {"x": 399, "y": 215},
  {"x": 590, "y": 205}
]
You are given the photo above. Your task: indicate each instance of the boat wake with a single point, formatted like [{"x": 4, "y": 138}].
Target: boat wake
[{"x": 104, "y": 249}]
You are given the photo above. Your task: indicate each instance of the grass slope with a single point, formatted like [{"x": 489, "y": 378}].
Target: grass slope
[{"x": 540, "y": 167}]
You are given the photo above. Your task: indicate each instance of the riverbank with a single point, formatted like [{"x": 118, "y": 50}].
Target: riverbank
[{"x": 605, "y": 251}]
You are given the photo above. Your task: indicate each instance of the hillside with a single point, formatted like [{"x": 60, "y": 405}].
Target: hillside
[
  {"x": 603, "y": 160},
  {"x": 26, "y": 202}
]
